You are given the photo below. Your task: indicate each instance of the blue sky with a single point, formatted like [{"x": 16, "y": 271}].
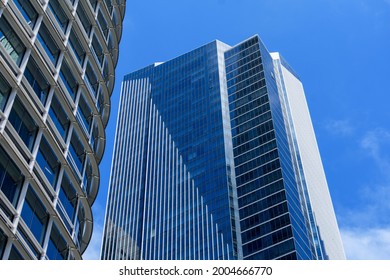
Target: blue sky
[{"x": 339, "y": 48}]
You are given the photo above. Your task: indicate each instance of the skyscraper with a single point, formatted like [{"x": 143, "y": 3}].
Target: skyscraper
[
  {"x": 215, "y": 158},
  {"x": 57, "y": 61}
]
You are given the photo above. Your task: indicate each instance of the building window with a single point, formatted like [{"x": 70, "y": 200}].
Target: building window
[
  {"x": 80, "y": 226},
  {"x": 109, "y": 5},
  {"x": 75, "y": 45},
  {"x": 3, "y": 242},
  {"x": 5, "y": 90},
  {"x": 27, "y": 10},
  {"x": 23, "y": 123},
  {"x": 57, "y": 248},
  {"x": 11, "y": 179},
  {"x": 97, "y": 49},
  {"x": 48, "y": 161},
  {"x": 84, "y": 18},
  {"x": 103, "y": 24},
  {"x": 106, "y": 73},
  {"x": 88, "y": 178},
  {"x": 35, "y": 216},
  {"x": 91, "y": 79},
  {"x": 14, "y": 254},
  {"x": 95, "y": 140},
  {"x": 85, "y": 113},
  {"x": 68, "y": 197},
  {"x": 37, "y": 80},
  {"x": 115, "y": 18},
  {"x": 76, "y": 152},
  {"x": 50, "y": 46},
  {"x": 29, "y": 240},
  {"x": 59, "y": 14},
  {"x": 59, "y": 117},
  {"x": 69, "y": 80},
  {"x": 11, "y": 42},
  {"x": 93, "y": 3},
  {"x": 100, "y": 104}
]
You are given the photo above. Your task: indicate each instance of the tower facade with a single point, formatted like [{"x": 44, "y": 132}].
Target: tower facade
[
  {"x": 211, "y": 162},
  {"x": 57, "y": 61}
]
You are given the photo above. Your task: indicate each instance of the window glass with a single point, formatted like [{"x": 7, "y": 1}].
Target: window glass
[
  {"x": 91, "y": 79},
  {"x": 75, "y": 44},
  {"x": 29, "y": 242},
  {"x": 106, "y": 73},
  {"x": 88, "y": 178},
  {"x": 48, "y": 43},
  {"x": 28, "y": 11},
  {"x": 95, "y": 137},
  {"x": 5, "y": 90},
  {"x": 109, "y": 5},
  {"x": 47, "y": 161},
  {"x": 59, "y": 117},
  {"x": 59, "y": 14},
  {"x": 84, "y": 18},
  {"x": 80, "y": 226},
  {"x": 69, "y": 79},
  {"x": 68, "y": 197},
  {"x": 37, "y": 80},
  {"x": 76, "y": 152},
  {"x": 11, "y": 42},
  {"x": 23, "y": 123},
  {"x": 103, "y": 23},
  {"x": 93, "y": 3},
  {"x": 34, "y": 214},
  {"x": 57, "y": 248},
  {"x": 3, "y": 242},
  {"x": 15, "y": 254},
  {"x": 11, "y": 179},
  {"x": 85, "y": 113},
  {"x": 97, "y": 49}
]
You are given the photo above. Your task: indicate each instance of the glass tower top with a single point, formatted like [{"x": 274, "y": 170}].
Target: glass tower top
[{"x": 205, "y": 162}]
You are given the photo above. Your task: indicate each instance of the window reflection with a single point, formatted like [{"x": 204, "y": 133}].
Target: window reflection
[
  {"x": 11, "y": 42},
  {"x": 35, "y": 216},
  {"x": 59, "y": 14},
  {"x": 48, "y": 161},
  {"x": 23, "y": 123},
  {"x": 37, "y": 80},
  {"x": 48, "y": 43},
  {"x": 27, "y": 10},
  {"x": 5, "y": 90},
  {"x": 11, "y": 179},
  {"x": 59, "y": 117},
  {"x": 57, "y": 248}
]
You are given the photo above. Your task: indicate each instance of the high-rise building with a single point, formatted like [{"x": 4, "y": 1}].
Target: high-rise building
[
  {"x": 215, "y": 158},
  {"x": 57, "y": 61}
]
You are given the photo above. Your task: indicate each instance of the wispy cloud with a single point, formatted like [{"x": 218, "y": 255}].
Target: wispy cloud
[
  {"x": 367, "y": 243},
  {"x": 93, "y": 249},
  {"x": 365, "y": 229},
  {"x": 377, "y": 144},
  {"x": 340, "y": 127}
]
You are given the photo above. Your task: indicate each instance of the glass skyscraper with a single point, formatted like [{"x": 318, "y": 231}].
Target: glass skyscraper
[
  {"x": 57, "y": 61},
  {"x": 215, "y": 158}
]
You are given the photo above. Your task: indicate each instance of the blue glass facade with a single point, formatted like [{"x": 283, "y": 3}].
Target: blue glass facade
[{"x": 203, "y": 165}]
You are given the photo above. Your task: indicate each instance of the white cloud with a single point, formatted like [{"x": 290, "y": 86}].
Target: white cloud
[
  {"x": 93, "y": 249},
  {"x": 340, "y": 127},
  {"x": 366, "y": 243},
  {"x": 377, "y": 144},
  {"x": 365, "y": 228}
]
